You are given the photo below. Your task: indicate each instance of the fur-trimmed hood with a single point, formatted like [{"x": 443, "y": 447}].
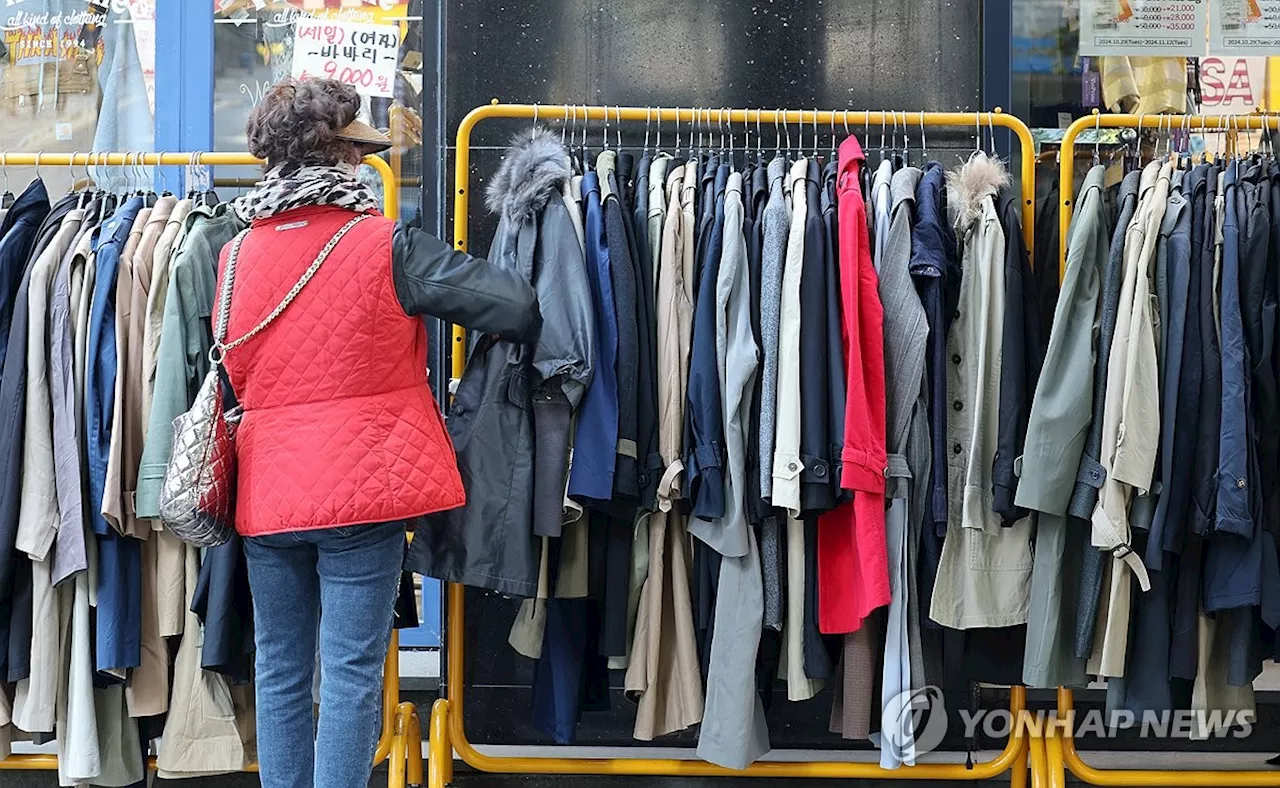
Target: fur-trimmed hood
[
  {"x": 535, "y": 166},
  {"x": 980, "y": 177}
]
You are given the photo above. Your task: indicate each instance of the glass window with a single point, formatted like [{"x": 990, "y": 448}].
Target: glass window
[
  {"x": 1054, "y": 84},
  {"x": 76, "y": 76},
  {"x": 253, "y": 49}
]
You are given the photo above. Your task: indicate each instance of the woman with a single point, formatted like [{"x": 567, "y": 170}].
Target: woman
[{"x": 341, "y": 445}]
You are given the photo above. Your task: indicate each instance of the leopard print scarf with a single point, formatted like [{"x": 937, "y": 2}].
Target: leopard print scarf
[{"x": 303, "y": 187}]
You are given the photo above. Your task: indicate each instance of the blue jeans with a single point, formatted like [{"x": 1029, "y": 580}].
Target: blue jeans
[{"x": 336, "y": 587}]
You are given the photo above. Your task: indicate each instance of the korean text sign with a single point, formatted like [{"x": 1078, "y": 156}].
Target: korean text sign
[{"x": 362, "y": 55}]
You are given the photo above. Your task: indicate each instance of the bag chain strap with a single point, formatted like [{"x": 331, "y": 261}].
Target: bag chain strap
[{"x": 220, "y": 347}]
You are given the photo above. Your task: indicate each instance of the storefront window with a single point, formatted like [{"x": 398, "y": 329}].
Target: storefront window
[
  {"x": 76, "y": 76},
  {"x": 1056, "y": 81},
  {"x": 254, "y": 48}
]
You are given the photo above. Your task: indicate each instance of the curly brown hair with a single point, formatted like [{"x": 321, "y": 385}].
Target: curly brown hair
[{"x": 297, "y": 123}]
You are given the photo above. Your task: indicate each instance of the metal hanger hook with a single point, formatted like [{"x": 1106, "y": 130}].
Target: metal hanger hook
[
  {"x": 924, "y": 144},
  {"x": 534, "y": 132},
  {"x": 648, "y": 116},
  {"x": 1097, "y": 137},
  {"x": 815, "y": 132}
]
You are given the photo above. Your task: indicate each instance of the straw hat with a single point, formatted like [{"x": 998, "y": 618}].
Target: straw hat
[{"x": 369, "y": 139}]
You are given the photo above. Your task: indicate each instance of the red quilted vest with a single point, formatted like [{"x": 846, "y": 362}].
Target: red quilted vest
[{"x": 340, "y": 426}]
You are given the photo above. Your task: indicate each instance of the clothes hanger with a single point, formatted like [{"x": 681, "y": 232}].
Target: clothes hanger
[
  {"x": 893, "y": 144},
  {"x": 924, "y": 143},
  {"x": 991, "y": 132},
  {"x": 1097, "y": 134},
  {"x": 759, "y": 141},
  {"x": 150, "y": 198},
  {"x": 732, "y": 152},
  {"x": 906, "y": 142},
  {"x": 677, "y": 147},
  {"x": 833, "y": 132},
  {"x": 164, "y": 182},
  {"x": 815, "y": 134},
  {"x": 882, "y": 131},
  {"x": 617, "y": 127},
  {"x": 746, "y": 143},
  {"x": 786, "y": 128},
  {"x": 648, "y": 112},
  {"x": 777, "y": 136},
  {"x": 208, "y": 197},
  {"x": 7, "y": 199}
]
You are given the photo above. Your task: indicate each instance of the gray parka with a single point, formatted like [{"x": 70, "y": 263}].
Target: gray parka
[{"x": 514, "y": 481}]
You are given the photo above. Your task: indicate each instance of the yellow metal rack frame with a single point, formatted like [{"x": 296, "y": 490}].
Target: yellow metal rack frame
[
  {"x": 401, "y": 739},
  {"x": 447, "y": 729},
  {"x": 1061, "y": 753}
]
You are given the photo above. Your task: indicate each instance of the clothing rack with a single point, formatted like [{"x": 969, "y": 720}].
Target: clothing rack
[
  {"x": 447, "y": 725},
  {"x": 400, "y": 740},
  {"x": 1060, "y": 756}
]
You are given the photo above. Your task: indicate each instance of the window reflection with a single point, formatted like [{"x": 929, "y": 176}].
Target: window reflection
[{"x": 76, "y": 76}]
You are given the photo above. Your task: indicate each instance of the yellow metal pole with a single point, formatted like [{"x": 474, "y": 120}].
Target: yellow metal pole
[
  {"x": 391, "y": 207},
  {"x": 398, "y": 760},
  {"x": 1153, "y": 778},
  {"x": 439, "y": 752},
  {"x": 1039, "y": 772},
  {"x": 1054, "y": 767},
  {"x": 413, "y": 743},
  {"x": 1015, "y": 750},
  {"x": 1018, "y": 774}
]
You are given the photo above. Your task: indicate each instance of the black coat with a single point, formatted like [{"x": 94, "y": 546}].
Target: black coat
[
  {"x": 1021, "y": 358},
  {"x": 24, "y": 225}
]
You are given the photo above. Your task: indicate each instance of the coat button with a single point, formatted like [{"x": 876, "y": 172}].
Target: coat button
[
  {"x": 956, "y": 449},
  {"x": 1094, "y": 475},
  {"x": 820, "y": 470},
  {"x": 1240, "y": 483},
  {"x": 644, "y": 478},
  {"x": 791, "y": 466},
  {"x": 955, "y": 315},
  {"x": 957, "y": 405},
  {"x": 955, "y": 358}
]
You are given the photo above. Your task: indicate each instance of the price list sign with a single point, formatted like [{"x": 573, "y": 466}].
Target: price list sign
[
  {"x": 1143, "y": 27},
  {"x": 362, "y": 55},
  {"x": 1244, "y": 27}
]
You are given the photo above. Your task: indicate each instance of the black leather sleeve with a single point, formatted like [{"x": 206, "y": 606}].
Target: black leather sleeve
[{"x": 433, "y": 279}]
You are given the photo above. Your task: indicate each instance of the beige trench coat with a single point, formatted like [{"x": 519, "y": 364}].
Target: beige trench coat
[
  {"x": 1130, "y": 421},
  {"x": 663, "y": 673},
  {"x": 205, "y": 732}
]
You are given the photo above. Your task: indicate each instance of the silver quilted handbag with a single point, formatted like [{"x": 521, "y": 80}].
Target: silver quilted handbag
[{"x": 197, "y": 499}]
